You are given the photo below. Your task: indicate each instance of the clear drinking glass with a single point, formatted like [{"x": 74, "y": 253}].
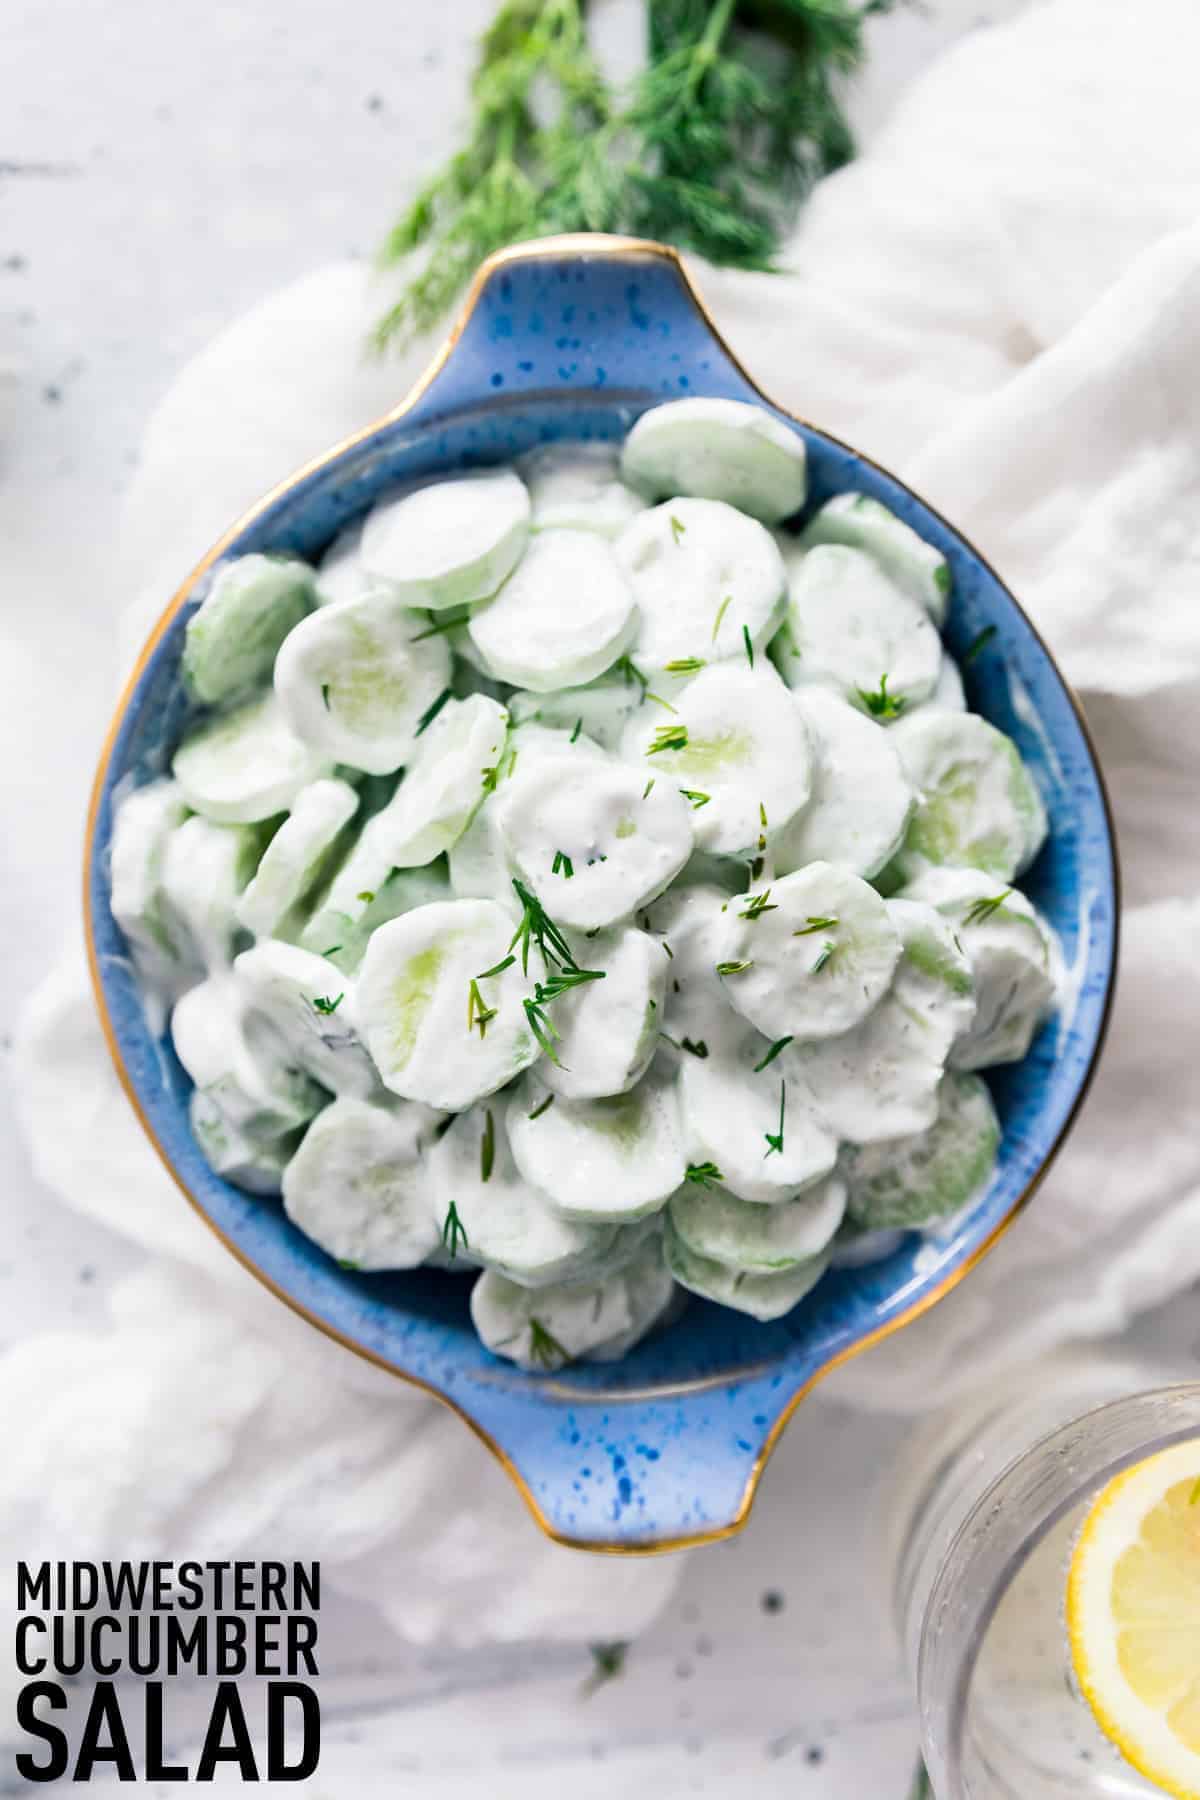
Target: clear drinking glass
[{"x": 982, "y": 1512}]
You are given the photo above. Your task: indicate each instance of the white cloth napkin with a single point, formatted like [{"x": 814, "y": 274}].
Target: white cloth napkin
[{"x": 1001, "y": 301}]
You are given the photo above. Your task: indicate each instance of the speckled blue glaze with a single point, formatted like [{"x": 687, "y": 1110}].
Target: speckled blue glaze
[{"x": 574, "y": 344}]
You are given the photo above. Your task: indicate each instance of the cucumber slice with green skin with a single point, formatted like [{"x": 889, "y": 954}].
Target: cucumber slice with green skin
[
  {"x": 359, "y": 1185},
  {"x": 911, "y": 1182},
  {"x": 761, "y": 1240},
  {"x": 543, "y": 1329},
  {"x": 256, "y": 1168},
  {"x": 236, "y": 1061},
  {"x": 449, "y": 543},
  {"x": 578, "y": 487},
  {"x": 305, "y": 1000},
  {"x": 293, "y": 859},
  {"x": 246, "y": 765},
  {"x": 850, "y": 628},
  {"x": 812, "y": 958},
  {"x": 510, "y": 1226},
  {"x": 356, "y": 680},
  {"x": 704, "y": 577},
  {"x": 764, "y": 1296},
  {"x": 234, "y": 635},
  {"x": 608, "y": 1030},
  {"x": 737, "y": 746},
  {"x": 613, "y": 1160},
  {"x": 757, "y": 1127},
  {"x": 144, "y": 821},
  {"x": 718, "y": 450},
  {"x": 562, "y": 617},
  {"x": 600, "y": 711},
  {"x": 1013, "y": 956},
  {"x": 867, "y": 525},
  {"x": 861, "y": 798},
  {"x": 881, "y": 1079},
  {"x": 342, "y": 939},
  {"x": 594, "y": 838},
  {"x": 444, "y": 784},
  {"x": 415, "y": 1006},
  {"x": 205, "y": 869},
  {"x": 977, "y": 804}
]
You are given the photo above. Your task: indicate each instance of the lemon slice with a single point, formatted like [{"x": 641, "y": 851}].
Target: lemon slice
[{"x": 1133, "y": 1616}]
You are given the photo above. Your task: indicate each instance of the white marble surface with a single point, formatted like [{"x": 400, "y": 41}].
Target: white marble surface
[{"x": 162, "y": 167}]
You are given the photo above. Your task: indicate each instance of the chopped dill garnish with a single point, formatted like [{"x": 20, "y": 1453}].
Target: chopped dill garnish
[
  {"x": 678, "y": 527},
  {"x": 446, "y": 622},
  {"x": 826, "y": 951},
  {"x": 733, "y": 968},
  {"x": 562, "y": 865},
  {"x": 668, "y": 737},
  {"x": 348, "y": 1262},
  {"x": 646, "y": 789},
  {"x": 659, "y": 701},
  {"x": 979, "y": 642},
  {"x": 703, "y": 1174},
  {"x": 696, "y": 797},
  {"x": 453, "y": 1230},
  {"x": 366, "y": 896},
  {"x": 541, "y": 1107},
  {"x": 479, "y": 1013},
  {"x": 332, "y": 950},
  {"x": 629, "y": 671},
  {"x": 746, "y": 639},
  {"x": 496, "y": 968},
  {"x": 879, "y": 703},
  {"x": 325, "y": 695},
  {"x": 759, "y": 904},
  {"x": 726, "y": 603},
  {"x": 983, "y": 909},
  {"x": 779, "y": 1044},
  {"x": 540, "y": 1022},
  {"x": 817, "y": 922},
  {"x": 544, "y": 1349},
  {"x": 697, "y": 1047},
  {"x": 775, "y": 1138},
  {"x": 608, "y": 1661},
  {"x": 577, "y": 730},
  {"x": 325, "y": 1005},
  {"x": 537, "y": 927},
  {"x": 487, "y": 1147},
  {"x": 668, "y": 949},
  {"x": 431, "y": 712},
  {"x": 684, "y": 665}
]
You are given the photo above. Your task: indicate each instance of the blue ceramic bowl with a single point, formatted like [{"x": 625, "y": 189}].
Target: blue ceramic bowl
[{"x": 573, "y": 338}]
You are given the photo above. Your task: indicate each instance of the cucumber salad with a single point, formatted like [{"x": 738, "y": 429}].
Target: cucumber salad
[{"x": 581, "y": 881}]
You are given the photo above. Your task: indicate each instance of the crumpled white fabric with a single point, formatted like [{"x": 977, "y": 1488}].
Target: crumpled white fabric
[{"x": 1000, "y": 301}]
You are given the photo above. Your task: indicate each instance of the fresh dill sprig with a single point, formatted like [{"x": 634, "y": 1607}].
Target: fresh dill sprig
[
  {"x": 733, "y": 968},
  {"x": 487, "y": 1147},
  {"x": 816, "y": 922},
  {"x": 325, "y": 695},
  {"x": 454, "y": 1231},
  {"x": 823, "y": 956},
  {"x": 537, "y": 927},
  {"x": 542, "y": 1026},
  {"x": 695, "y": 1046},
  {"x": 684, "y": 665},
  {"x": 779, "y": 1044},
  {"x": 759, "y": 904},
  {"x": 479, "y": 1013},
  {"x": 879, "y": 703},
  {"x": 678, "y": 528},
  {"x": 668, "y": 737},
  {"x": 983, "y": 909},
  {"x": 726, "y": 603},
  {"x": 646, "y": 789},
  {"x": 541, "y": 1107},
  {"x": 696, "y": 797},
  {"x": 978, "y": 643},
  {"x": 749, "y": 643},
  {"x": 704, "y": 1174},
  {"x": 544, "y": 1349},
  {"x": 775, "y": 1138},
  {"x": 659, "y": 701},
  {"x": 332, "y": 950},
  {"x": 325, "y": 1005},
  {"x": 431, "y": 712},
  {"x": 629, "y": 672},
  {"x": 712, "y": 146},
  {"x": 562, "y": 865},
  {"x": 505, "y": 962},
  {"x": 578, "y": 728}
]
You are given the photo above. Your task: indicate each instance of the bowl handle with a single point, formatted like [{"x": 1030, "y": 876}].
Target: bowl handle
[{"x": 584, "y": 312}]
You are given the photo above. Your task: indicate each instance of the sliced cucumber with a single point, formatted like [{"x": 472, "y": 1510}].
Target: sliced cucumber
[
  {"x": 593, "y": 838},
  {"x": 808, "y": 955},
  {"x": 755, "y": 1129},
  {"x": 912, "y": 1181},
  {"x": 977, "y": 803},
  {"x": 233, "y": 636},
  {"x": 342, "y": 935},
  {"x": 246, "y": 765},
  {"x": 144, "y": 820},
  {"x": 508, "y": 1225},
  {"x": 867, "y": 525},
  {"x": 305, "y": 999},
  {"x": 705, "y": 578},
  {"x": 881, "y": 1079},
  {"x": 578, "y": 487},
  {"x": 237, "y": 1063},
  {"x": 359, "y": 1185},
  {"x": 764, "y": 1296},
  {"x": 562, "y": 617},
  {"x": 718, "y": 450},
  {"x": 736, "y": 747},
  {"x": 611, "y": 1160},
  {"x": 1013, "y": 957},
  {"x": 430, "y": 1037},
  {"x": 850, "y": 628},
  {"x": 449, "y": 543},
  {"x": 205, "y": 869},
  {"x": 607, "y": 1031},
  {"x": 457, "y": 760},
  {"x": 759, "y": 1239},
  {"x": 861, "y": 798},
  {"x": 257, "y": 1168},
  {"x": 293, "y": 860}
]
